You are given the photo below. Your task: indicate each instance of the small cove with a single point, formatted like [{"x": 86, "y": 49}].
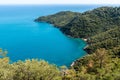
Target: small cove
[{"x": 26, "y": 39}]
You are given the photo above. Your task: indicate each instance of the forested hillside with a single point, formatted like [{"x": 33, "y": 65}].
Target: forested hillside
[
  {"x": 99, "y": 26},
  {"x": 109, "y": 40},
  {"x": 97, "y": 66},
  {"x": 87, "y": 24},
  {"x": 60, "y": 19}
]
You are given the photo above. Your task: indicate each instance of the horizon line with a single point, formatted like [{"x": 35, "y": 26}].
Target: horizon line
[{"x": 61, "y": 4}]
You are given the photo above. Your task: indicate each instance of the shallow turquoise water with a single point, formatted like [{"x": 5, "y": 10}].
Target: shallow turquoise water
[{"x": 26, "y": 39}]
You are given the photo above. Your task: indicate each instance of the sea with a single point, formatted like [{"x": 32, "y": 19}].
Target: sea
[{"x": 25, "y": 39}]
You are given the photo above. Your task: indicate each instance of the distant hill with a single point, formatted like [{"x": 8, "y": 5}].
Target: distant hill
[
  {"x": 59, "y": 19},
  {"x": 99, "y": 26}
]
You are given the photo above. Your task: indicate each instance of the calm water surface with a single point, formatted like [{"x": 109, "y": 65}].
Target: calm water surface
[{"x": 26, "y": 39}]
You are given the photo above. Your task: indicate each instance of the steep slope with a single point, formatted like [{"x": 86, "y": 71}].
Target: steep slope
[
  {"x": 87, "y": 24},
  {"x": 93, "y": 22},
  {"x": 109, "y": 40},
  {"x": 99, "y": 26},
  {"x": 59, "y": 19}
]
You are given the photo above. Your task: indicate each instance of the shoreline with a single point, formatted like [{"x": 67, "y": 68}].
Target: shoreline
[{"x": 69, "y": 36}]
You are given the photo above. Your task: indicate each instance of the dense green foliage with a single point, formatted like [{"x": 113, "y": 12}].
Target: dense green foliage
[
  {"x": 28, "y": 70},
  {"x": 97, "y": 66},
  {"x": 99, "y": 26},
  {"x": 85, "y": 24},
  {"x": 59, "y": 19},
  {"x": 109, "y": 40}
]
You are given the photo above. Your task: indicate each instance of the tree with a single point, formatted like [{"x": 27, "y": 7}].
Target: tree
[
  {"x": 3, "y": 53},
  {"x": 101, "y": 56}
]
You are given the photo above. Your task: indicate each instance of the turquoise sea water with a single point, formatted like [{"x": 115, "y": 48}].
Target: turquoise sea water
[{"x": 26, "y": 39}]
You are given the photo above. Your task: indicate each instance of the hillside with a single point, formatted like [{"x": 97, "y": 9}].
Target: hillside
[
  {"x": 85, "y": 24},
  {"x": 59, "y": 19},
  {"x": 97, "y": 66},
  {"x": 109, "y": 40},
  {"x": 93, "y": 25},
  {"x": 101, "y": 28}
]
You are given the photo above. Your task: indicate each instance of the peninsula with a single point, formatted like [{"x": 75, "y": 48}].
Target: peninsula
[{"x": 100, "y": 27}]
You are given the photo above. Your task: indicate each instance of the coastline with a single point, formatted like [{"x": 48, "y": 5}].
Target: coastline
[
  {"x": 69, "y": 36},
  {"x": 84, "y": 48}
]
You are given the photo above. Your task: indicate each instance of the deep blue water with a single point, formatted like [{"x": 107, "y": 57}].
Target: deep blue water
[{"x": 26, "y": 39}]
